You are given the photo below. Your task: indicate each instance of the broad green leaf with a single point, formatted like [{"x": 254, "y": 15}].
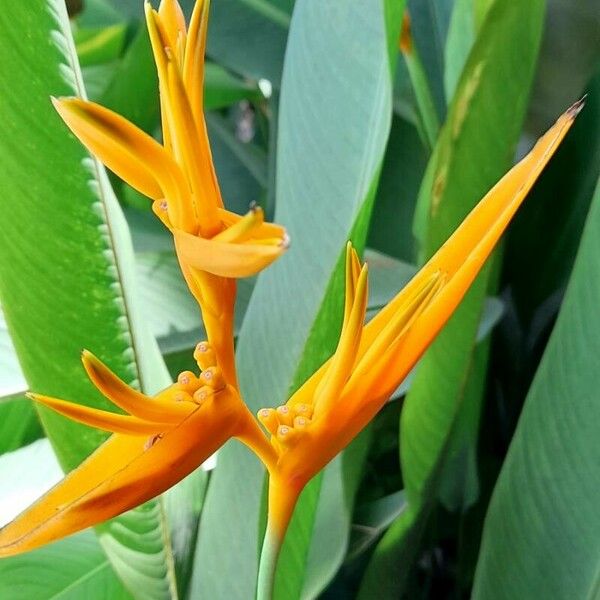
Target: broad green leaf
[
  {"x": 326, "y": 177},
  {"x": 475, "y": 148},
  {"x": 462, "y": 175},
  {"x": 543, "y": 523},
  {"x": 67, "y": 278},
  {"x": 71, "y": 569}
]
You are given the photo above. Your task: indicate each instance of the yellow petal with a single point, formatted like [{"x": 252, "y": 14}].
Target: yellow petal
[
  {"x": 171, "y": 15},
  {"x": 101, "y": 419},
  {"x": 222, "y": 258},
  {"x": 124, "y": 472},
  {"x": 350, "y": 283},
  {"x": 265, "y": 230},
  {"x": 193, "y": 69},
  {"x": 458, "y": 261},
  {"x": 343, "y": 360},
  {"x": 195, "y": 155},
  {"x": 373, "y": 370},
  {"x": 158, "y": 41},
  {"x": 244, "y": 228},
  {"x": 114, "y": 142},
  {"x": 130, "y": 400}
]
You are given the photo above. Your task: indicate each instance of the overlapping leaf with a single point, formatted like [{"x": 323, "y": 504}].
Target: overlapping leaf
[
  {"x": 67, "y": 270},
  {"x": 326, "y": 176},
  {"x": 468, "y": 159},
  {"x": 543, "y": 523}
]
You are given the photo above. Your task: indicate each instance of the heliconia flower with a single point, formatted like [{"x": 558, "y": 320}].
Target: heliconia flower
[
  {"x": 159, "y": 441},
  {"x": 214, "y": 245},
  {"x": 371, "y": 360}
]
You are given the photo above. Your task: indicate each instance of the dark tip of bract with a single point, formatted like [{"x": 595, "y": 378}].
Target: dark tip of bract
[{"x": 576, "y": 108}]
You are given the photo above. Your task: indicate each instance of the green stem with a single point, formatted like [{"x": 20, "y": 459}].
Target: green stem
[{"x": 268, "y": 565}]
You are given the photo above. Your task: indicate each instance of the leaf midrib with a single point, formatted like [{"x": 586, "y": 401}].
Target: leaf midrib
[{"x": 105, "y": 563}]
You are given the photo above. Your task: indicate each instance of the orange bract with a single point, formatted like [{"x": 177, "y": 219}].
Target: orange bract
[
  {"x": 161, "y": 440},
  {"x": 371, "y": 360},
  {"x": 213, "y": 245}
]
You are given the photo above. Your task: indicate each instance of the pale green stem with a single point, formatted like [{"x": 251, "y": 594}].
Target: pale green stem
[
  {"x": 268, "y": 565},
  {"x": 282, "y": 500}
]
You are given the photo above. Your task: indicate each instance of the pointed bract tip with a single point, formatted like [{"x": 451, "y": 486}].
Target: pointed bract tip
[
  {"x": 87, "y": 356},
  {"x": 577, "y": 107}
]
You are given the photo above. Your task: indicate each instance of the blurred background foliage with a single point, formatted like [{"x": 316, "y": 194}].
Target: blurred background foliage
[{"x": 292, "y": 101}]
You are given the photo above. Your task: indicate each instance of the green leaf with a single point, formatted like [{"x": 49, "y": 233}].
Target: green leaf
[
  {"x": 462, "y": 175},
  {"x": 326, "y": 179},
  {"x": 98, "y": 13},
  {"x": 222, "y": 89},
  {"x": 429, "y": 27},
  {"x": 474, "y": 149},
  {"x": 568, "y": 186},
  {"x": 71, "y": 569},
  {"x": 249, "y": 37},
  {"x": 99, "y": 44},
  {"x": 405, "y": 160},
  {"x": 133, "y": 89},
  {"x": 67, "y": 278},
  {"x": 459, "y": 41},
  {"x": 543, "y": 522},
  {"x": 97, "y": 77},
  {"x": 19, "y": 424},
  {"x": 569, "y": 58},
  {"x": 372, "y": 519}
]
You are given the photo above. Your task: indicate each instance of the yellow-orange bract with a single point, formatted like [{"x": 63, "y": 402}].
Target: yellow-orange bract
[
  {"x": 161, "y": 440},
  {"x": 165, "y": 437},
  {"x": 371, "y": 360},
  {"x": 213, "y": 245}
]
